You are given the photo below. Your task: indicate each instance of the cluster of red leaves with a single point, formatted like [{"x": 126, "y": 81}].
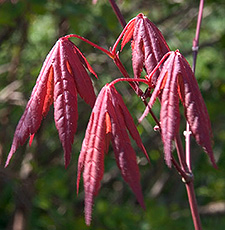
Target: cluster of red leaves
[
  {"x": 62, "y": 76},
  {"x": 177, "y": 81},
  {"x": 172, "y": 80},
  {"x": 109, "y": 121},
  {"x": 148, "y": 45}
]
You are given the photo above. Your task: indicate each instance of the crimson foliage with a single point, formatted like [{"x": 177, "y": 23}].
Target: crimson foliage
[
  {"x": 109, "y": 121},
  {"x": 64, "y": 75}
]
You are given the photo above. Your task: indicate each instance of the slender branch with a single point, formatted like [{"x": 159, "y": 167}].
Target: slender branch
[
  {"x": 187, "y": 135},
  {"x": 118, "y": 13},
  {"x": 190, "y": 186},
  {"x": 193, "y": 205},
  {"x": 180, "y": 153},
  {"x": 185, "y": 176},
  {"x": 196, "y": 39},
  {"x": 128, "y": 80},
  {"x": 195, "y": 47}
]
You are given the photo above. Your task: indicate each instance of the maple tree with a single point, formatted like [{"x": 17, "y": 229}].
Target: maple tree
[{"x": 169, "y": 78}]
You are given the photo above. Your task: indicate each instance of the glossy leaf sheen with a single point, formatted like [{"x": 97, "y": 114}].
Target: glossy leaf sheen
[
  {"x": 109, "y": 120},
  {"x": 63, "y": 75}
]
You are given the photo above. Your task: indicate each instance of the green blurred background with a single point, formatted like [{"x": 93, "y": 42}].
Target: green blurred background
[{"x": 36, "y": 192}]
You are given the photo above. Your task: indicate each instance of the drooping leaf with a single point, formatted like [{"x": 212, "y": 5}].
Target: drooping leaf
[
  {"x": 148, "y": 45},
  {"x": 195, "y": 108},
  {"x": 76, "y": 64},
  {"x": 169, "y": 115},
  {"x": 65, "y": 103},
  {"x": 32, "y": 116},
  {"x": 124, "y": 153},
  {"x": 129, "y": 123},
  {"x": 109, "y": 120},
  {"x": 176, "y": 81},
  {"x": 63, "y": 75}
]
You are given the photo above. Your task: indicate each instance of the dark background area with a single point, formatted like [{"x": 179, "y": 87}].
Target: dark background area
[{"x": 36, "y": 192}]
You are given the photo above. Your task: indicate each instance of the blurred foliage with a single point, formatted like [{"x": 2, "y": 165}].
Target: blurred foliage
[{"x": 36, "y": 192}]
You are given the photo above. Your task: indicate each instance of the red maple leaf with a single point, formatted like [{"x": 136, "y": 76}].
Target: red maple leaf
[
  {"x": 177, "y": 81},
  {"x": 148, "y": 45},
  {"x": 62, "y": 76},
  {"x": 109, "y": 120}
]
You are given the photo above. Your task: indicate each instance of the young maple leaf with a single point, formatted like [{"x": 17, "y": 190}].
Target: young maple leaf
[
  {"x": 148, "y": 45},
  {"x": 62, "y": 76},
  {"x": 109, "y": 120},
  {"x": 177, "y": 81}
]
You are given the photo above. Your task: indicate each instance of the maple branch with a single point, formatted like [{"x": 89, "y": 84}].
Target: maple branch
[
  {"x": 196, "y": 39},
  {"x": 193, "y": 205},
  {"x": 189, "y": 186},
  {"x": 118, "y": 13},
  {"x": 185, "y": 177},
  {"x": 180, "y": 153},
  {"x": 195, "y": 47}
]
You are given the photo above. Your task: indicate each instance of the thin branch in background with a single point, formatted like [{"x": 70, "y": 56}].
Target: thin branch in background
[
  {"x": 118, "y": 13},
  {"x": 195, "y": 47},
  {"x": 190, "y": 186}
]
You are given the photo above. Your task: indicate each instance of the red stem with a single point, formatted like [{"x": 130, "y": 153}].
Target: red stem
[
  {"x": 186, "y": 177},
  {"x": 118, "y": 13},
  {"x": 196, "y": 39},
  {"x": 193, "y": 205},
  {"x": 189, "y": 186},
  {"x": 195, "y": 46},
  {"x": 180, "y": 153},
  {"x": 91, "y": 43},
  {"x": 126, "y": 75},
  {"x": 128, "y": 80}
]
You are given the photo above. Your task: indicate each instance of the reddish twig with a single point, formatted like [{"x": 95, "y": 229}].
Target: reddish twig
[
  {"x": 189, "y": 186},
  {"x": 193, "y": 205},
  {"x": 118, "y": 13}
]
